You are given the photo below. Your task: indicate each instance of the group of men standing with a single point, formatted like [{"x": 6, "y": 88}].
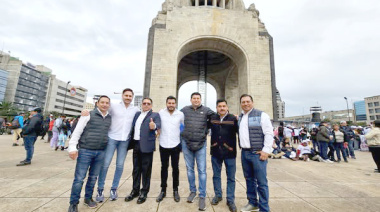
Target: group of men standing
[{"x": 120, "y": 127}]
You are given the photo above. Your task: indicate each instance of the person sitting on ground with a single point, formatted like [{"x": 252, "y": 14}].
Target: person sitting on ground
[
  {"x": 289, "y": 151},
  {"x": 277, "y": 153},
  {"x": 303, "y": 151},
  {"x": 373, "y": 139}
]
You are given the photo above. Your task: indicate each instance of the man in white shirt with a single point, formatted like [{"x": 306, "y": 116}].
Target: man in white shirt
[
  {"x": 122, "y": 117},
  {"x": 170, "y": 145},
  {"x": 91, "y": 137},
  {"x": 256, "y": 139}
]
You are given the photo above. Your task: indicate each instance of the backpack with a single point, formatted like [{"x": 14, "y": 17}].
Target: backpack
[
  {"x": 281, "y": 131},
  {"x": 40, "y": 129},
  {"x": 15, "y": 123}
]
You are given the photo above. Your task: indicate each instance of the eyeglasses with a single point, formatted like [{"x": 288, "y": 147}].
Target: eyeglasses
[{"x": 146, "y": 103}]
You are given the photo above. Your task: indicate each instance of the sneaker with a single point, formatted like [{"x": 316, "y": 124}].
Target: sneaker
[
  {"x": 191, "y": 197},
  {"x": 345, "y": 160},
  {"x": 14, "y": 144},
  {"x": 100, "y": 196},
  {"x": 353, "y": 157},
  {"x": 113, "y": 195},
  {"x": 249, "y": 208},
  {"x": 327, "y": 161},
  {"x": 73, "y": 208},
  {"x": 320, "y": 159},
  {"x": 339, "y": 160},
  {"x": 23, "y": 163},
  {"x": 216, "y": 200},
  {"x": 232, "y": 206},
  {"x": 202, "y": 203},
  {"x": 90, "y": 203}
]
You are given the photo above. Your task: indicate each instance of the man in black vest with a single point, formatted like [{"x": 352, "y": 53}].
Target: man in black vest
[
  {"x": 143, "y": 140},
  {"x": 91, "y": 136},
  {"x": 223, "y": 149},
  {"x": 256, "y": 140}
]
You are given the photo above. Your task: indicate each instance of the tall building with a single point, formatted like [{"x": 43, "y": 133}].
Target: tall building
[
  {"x": 74, "y": 102},
  {"x": 360, "y": 111},
  {"x": 3, "y": 83},
  {"x": 89, "y": 106},
  {"x": 27, "y": 84},
  {"x": 372, "y": 105},
  {"x": 137, "y": 101},
  {"x": 280, "y": 106}
]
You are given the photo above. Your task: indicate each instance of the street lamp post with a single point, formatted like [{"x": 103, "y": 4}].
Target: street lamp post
[
  {"x": 64, "y": 100},
  {"x": 348, "y": 111}
]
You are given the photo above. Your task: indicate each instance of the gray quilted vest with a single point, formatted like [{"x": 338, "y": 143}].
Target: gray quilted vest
[{"x": 256, "y": 135}]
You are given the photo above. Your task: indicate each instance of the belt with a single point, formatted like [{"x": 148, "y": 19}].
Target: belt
[{"x": 250, "y": 150}]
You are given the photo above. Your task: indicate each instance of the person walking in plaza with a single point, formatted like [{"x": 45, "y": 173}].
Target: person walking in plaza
[
  {"x": 17, "y": 125},
  {"x": 122, "y": 117},
  {"x": 91, "y": 137},
  {"x": 143, "y": 135},
  {"x": 50, "y": 130},
  {"x": 338, "y": 137},
  {"x": 194, "y": 146},
  {"x": 323, "y": 138},
  {"x": 170, "y": 145},
  {"x": 350, "y": 137},
  {"x": 256, "y": 139},
  {"x": 313, "y": 137},
  {"x": 373, "y": 139},
  {"x": 57, "y": 127},
  {"x": 30, "y": 133},
  {"x": 224, "y": 128}
]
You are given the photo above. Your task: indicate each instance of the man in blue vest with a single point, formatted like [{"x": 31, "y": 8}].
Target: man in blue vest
[
  {"x": 143, "y": 140},
  {"x": 91, "y": 135},
  {"x": 256, "y": 140}
]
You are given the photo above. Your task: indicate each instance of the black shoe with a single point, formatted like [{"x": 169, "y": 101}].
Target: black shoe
[
  {"x": 161, "y": 196},
  {"x": 90, "y": 203},
  {"x": 24, "y": 163},
  {"x": 14, "y": 144},
  {"x": 232, "y": 206},
  {"x": 131, "y": 196},
  {"x": 176, "y": 196},
  {"x": 216, "y": 200},
  {"x": 141, "y": 199},
  {"x": 56, "y": 148},
  {"x": 73, "y": 208},
  {"x": 62, "y": 148}
]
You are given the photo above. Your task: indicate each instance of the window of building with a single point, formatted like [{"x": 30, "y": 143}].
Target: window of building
[
  {"x": 370, "y": 110},
  {"x": 376, "y": 104},
  {"x": 370, "y": 104},
  {"x": 377, "y": 110},
  {"x": 377, "y": 117},
  {"x": 372, "y": 117}
]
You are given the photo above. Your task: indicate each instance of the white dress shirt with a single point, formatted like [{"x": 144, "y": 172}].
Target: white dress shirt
[
  {"x": 82, "y": 123},
  {"x": 138, "y": 123},
  {"x": 122, "y": 118},
  {"x": 266, "y": 126},
  {"x": 170, "y": 128}
]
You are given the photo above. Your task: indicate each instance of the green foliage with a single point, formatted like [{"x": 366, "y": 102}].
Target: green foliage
[{"x": 8, "y": 109}]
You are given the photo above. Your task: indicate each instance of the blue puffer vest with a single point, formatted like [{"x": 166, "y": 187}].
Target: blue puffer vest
[{"x": 256, "y": 135}]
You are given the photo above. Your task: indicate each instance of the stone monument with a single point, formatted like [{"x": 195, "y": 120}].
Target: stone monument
[{"x": 215, "y": 41}]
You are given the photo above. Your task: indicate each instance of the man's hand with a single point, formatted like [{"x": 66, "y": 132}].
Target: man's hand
[
  {"x": 263, "y": 155},
  {"x": 85, "y": 113},
  {"x": 152, "y": 125},
  {"x": 73, "y": 155}
]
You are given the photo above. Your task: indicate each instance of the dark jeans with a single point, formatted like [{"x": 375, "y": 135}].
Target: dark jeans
[
  {"x": 50, "y": 135},
  {"x": 375, "y": 150},
  {"x": 350, "y": 150},
  {"x": 142, "y": 168},
  {"x": 91, "y": 160},
  {"x": 29, "y": 147},
  {"x": 230, "y": 164},
  {"x": 324, "y": 146},
  {"x": 166, "y": 154},
  {"x": 339, "y": 147},
  {"x": 316, "y": 146},
  {"x": 331, "y": 147},
  {"x": 255, "y": 174}
]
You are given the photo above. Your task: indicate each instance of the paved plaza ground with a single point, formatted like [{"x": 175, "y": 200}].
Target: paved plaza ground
[{"x": 294, "y": 186}]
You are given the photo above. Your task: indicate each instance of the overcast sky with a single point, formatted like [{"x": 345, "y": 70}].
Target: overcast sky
[{"x": 324, "y": 50}]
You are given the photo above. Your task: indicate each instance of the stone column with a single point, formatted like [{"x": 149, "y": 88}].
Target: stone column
[
  {"x": 205, "y": 2},
  {"x": 214, "y": 3},
  {"x": 196, "y": 3},
  {"x": 223, "y": 4}
]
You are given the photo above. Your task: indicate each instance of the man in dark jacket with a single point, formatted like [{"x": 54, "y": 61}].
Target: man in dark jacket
[
  {"x": 143, "y": 138},
  {"x": 349, "y": 138},
  {"x": 194, "y": 146},
  {"x": 223, "y": 149},
  {"x": 30, "y": 132},
  {"x": 323, "y": 137},
  {"x": 90, "y": 136}
]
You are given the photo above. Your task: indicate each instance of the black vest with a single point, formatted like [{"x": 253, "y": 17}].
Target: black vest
[{"x": 95, "y": 134}]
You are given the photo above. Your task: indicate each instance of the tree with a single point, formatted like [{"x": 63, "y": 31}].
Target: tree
[{"x": 8, "y": 109}]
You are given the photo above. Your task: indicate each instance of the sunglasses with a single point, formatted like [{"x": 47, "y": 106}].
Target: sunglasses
[{"x": 146, "y": 103}]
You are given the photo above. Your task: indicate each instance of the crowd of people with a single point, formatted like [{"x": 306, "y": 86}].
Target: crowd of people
[{"x": 98, "y": 134}]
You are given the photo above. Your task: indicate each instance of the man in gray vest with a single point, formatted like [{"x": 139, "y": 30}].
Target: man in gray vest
[
  {"x": 256, "y": 139},
  {"x": 194, "y": 146},
  {"x": 91, "y": 135}
]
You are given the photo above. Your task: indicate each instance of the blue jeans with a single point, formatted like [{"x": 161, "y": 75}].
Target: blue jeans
[
  {"x": 91, "y": 160},
  {"x": 29, "y": 147},
  {"x": 255, "y": 174},
  {"x": 121, "y": 147},
  {"x": 340, "y": 148},
  {"x": 317, "y": 146},
  {"x": 324, "y": 146},
  {"x": 230, "y": 164},
  {"x": 350, "y": 149},
  {"x": 200, "y": 157}
]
